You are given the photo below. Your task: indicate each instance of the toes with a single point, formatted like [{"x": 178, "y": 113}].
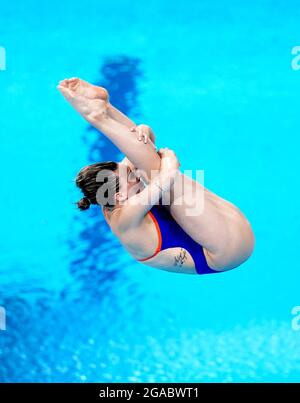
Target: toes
[
  {"x": 65, "y": 92},
  {"x": 73, "y": 83},
  {"x": 73, "y": 80},
  {"x": 63, "y": 83}
]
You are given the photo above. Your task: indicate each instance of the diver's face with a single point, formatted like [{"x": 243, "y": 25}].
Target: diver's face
[{"x": 130, "y": 183}]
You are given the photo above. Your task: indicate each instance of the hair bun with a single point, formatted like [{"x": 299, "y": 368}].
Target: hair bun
[{"x": 83, "y": 203}]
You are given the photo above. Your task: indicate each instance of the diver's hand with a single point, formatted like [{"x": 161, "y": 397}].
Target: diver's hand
[
  {"x": 168, "y": 169},
  {"x": 144, "y": 133},
  {"x": 169, "y": 162}
]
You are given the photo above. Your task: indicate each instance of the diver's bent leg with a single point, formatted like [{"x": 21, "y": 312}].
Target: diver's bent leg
[
  {"x": 213, "y": 222},
  {"x": 143, "y": 156},
  {"x": 92, "y": 104},
  {"x": 219, "y": 226},
  {"x": 95, "y": 111},
  {"x": 119, "y": 116}
]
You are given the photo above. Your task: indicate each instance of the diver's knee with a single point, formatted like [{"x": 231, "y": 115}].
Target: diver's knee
[{"x": 231, "y": 258}]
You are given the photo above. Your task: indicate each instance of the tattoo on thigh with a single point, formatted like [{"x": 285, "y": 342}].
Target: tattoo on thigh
[{"x": 181, "y": 258}]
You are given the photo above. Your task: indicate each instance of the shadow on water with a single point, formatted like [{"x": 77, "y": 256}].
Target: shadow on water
[
  {"x": 96, "y": 250},
  {"x": 50, "y": 336}
]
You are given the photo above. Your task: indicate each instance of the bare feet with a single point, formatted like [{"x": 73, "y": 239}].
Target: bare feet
[
  {"x": 89, "y": 100},
  {"x": 84, "y": 88}
]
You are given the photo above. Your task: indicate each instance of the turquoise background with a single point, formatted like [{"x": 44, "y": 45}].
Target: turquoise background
[{"x": 215, "y": 82}]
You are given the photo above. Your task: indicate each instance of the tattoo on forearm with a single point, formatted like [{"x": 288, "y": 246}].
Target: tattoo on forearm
[{"x": 181, "y": 258}]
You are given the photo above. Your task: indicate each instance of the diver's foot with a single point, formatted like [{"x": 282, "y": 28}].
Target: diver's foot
[
  {"x": 84, "y": 88},
  {"x": 94, "y": 110}
]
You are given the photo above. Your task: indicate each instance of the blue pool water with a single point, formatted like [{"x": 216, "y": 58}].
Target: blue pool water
[{"x": 214, "y": 80}]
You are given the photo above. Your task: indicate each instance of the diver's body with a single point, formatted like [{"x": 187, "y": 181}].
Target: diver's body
[
  {"x": 143, "y": 240},
  {"x": 217, "y": 238}
]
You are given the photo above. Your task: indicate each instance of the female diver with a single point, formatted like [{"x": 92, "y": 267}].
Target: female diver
[{"x": 194, "y": 232}]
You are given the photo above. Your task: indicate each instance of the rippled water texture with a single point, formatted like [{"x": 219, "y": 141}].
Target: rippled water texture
[{"x": 215, "y": 82}]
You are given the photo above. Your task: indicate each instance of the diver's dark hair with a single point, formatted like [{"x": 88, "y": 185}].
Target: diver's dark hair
[{"x": 91, "y": 179}]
